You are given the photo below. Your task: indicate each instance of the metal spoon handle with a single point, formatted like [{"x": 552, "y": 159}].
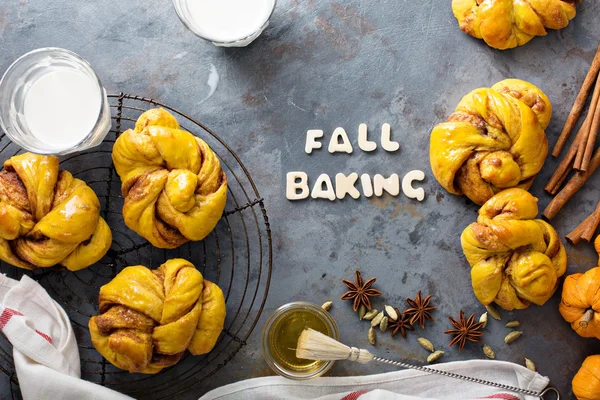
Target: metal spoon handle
[{"x": 471, "y": 379}]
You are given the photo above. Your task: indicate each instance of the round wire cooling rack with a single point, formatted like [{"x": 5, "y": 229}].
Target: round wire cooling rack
[{"x": 237, "y": 256}]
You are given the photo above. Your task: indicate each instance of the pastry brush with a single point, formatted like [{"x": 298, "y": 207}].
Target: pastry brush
[{"x": 313, "y": 345}]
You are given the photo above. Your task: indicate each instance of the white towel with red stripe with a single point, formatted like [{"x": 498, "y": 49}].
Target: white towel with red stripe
[
  {"x": 398, "y": 385},
  {"x": 45, "y": 350}
]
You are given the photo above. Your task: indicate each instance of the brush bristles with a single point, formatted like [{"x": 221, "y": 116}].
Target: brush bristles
[{"x": 313, "y": 345}]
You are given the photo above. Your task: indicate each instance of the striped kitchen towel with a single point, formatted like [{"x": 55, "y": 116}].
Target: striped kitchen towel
[
  {"x": 397, "y": 385},
  {"x": 45, "y": 351}
]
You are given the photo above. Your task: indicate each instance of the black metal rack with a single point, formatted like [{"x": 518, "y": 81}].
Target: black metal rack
[{"x": 237, "y": 255}]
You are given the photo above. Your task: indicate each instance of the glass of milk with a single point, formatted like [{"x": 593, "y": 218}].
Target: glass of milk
[
  {"x": 226, "y": 23},
  {"x": 52, "y": 102}
]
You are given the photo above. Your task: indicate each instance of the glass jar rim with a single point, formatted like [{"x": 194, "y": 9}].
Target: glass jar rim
[
  {"x": 296, "y": 305},
  {"x": 178, "y": 4},
  {"x": 88, "y": 68}
]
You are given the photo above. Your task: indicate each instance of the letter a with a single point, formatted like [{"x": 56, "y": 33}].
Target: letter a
[{"x": 334, "y": 144}]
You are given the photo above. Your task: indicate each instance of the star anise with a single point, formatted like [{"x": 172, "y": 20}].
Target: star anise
[
  {"x": 360, "y": 291},
  {"x": 419, "y": 310},
  {"x": 465, "y": 330},
  {"x": 402, "y": 324}
]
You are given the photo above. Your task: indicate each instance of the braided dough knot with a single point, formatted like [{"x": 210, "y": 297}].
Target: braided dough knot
[
  {"x": 174, "y": 188},
  {"x": 493, "y": 141},
  {"x": 148, "y": 318},
  {"x": 516, "y": 259},
  {"x": 504, "y": 24},
  {"x": 48, "y": 217}
]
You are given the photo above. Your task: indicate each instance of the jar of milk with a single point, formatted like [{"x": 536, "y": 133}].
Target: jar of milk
[
  {"x": 52, "y": 102},
  {"x": 226, "y": 23}
]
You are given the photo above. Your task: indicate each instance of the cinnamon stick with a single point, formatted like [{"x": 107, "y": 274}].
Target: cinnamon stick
[
  {"x": 574, "y": 237},
  {"x": 561, "y": 173},
  {"x": 560, "y": 182},
  {"x": 574, "y": 184},
  {"x": 585, "y": 230},
  {"x": 592, "y": 135},
  {"x": 582, "y": 137},
  {"x": 591, "y": 229},
  {"x": 580, "y": 101},
  {"x": 587, "y": 126},
  {"x": 565, "y": 166}
]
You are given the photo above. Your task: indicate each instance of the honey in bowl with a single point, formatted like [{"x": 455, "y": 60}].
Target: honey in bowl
[{"x": 280, "y": 338}]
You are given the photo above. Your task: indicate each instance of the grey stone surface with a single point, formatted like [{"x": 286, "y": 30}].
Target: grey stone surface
[{"x": 320, "y": 65}]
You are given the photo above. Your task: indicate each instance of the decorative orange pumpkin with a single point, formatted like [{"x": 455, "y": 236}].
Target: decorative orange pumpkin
[
  {"x": 580, "y": 303},
  {"x": 586, "y": 384}
]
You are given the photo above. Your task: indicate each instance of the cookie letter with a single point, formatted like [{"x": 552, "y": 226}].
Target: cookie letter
[
  {"x": 367, "y": 186},
  {"x": 296, "y": 181},
  {"x": 407, "y": 187},
  {"x": 345, "y": 185},
  {"x": 319, "y": 193},
  {"x": 390, "y": 185},
  {"x": 386, "y": 139},
  {"x": 311, "y": 142},
  {"x": 363, "y": 142},
  {"x": 334, "y": 144}
]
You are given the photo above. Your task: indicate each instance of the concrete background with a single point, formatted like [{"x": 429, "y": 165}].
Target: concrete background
[{"x": 320, "y": 65}]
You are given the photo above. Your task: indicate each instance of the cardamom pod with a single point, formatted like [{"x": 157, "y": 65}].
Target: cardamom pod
[
  {"x": 377, "y": 320},
  {"x": 530, "y": 365},
  {"x": 436, "y": 355},
  {"x": 327, "y": 305},
  {"x": 372, "y": 338},
  {"x": 511, "y": 337},
  {"x": 391, "y": 312},
  {"x": 493, "y": 312},
  {"x": 371, "y": 314},
  {"x": 383, "y": 325},
  {"x": 362, "y": 310},
  {"x": 512, "y": 324},
  {"x": 426, "y": 344},
  {"x": 489, "y": 353},
  {"x": 484, "y": 319}
]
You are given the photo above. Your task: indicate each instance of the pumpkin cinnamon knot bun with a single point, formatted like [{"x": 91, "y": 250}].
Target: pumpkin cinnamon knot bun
[
  {"x": 516, "y": 259},
  {"x": 504, "y": 24},
  {"x": 494, "y": 140},
  {"x": 174, "y": 188},
  {"x": 48, "y": 217},
  {"x": 149, "y": 318}
]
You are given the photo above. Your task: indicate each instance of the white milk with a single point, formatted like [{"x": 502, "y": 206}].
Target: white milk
[
  {"x": 62, "y": 107},
  {"x": 229, "y": 20}
]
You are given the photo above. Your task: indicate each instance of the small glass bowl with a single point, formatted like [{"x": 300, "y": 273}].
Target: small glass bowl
[
  {"x": 283, "y": 311},
  {"x": 181, "y": 7},
  {"x": 18, "y": 79}
]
